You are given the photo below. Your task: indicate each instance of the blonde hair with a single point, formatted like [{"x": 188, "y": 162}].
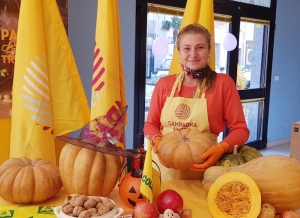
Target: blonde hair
[
  {"x": 194, "y": 28},
  {"x": 208, "y": 77}
]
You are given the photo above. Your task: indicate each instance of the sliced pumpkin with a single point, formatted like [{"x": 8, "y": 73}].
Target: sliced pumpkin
[{"x": 234, "y": 195}]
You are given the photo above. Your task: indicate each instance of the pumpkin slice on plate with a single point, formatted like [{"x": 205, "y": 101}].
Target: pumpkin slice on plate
[{"x": 234, "y": 195}]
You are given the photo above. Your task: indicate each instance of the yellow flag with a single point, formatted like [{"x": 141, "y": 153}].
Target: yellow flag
[
  {"x": 202, "y": 12},
  {"x": 48, "y": 96},
  {"x": 151, "y": 182},
  {"x": 108, "y": 86},
  {"x": 146, "y": 186}
]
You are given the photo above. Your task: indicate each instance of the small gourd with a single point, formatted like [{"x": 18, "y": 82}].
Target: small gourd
[
  {"x": 239, "y": 156},
  {"x": 234, "y": 194},
  {"x": 180, "y": 149}
]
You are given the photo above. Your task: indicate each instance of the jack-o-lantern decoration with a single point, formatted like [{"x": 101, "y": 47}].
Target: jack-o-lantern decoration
[{"x": 129, "y": 190}]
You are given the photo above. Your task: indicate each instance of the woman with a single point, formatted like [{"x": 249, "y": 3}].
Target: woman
[{"x": 211, "y": 97}]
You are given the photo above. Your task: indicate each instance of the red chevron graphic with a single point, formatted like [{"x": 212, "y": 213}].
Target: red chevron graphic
[{"x": 98, "y": 71}]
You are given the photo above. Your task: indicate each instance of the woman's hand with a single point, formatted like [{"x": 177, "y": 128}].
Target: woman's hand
[
  {"x": 155, "y": 141},
  {"x": 211, "y": 156}
]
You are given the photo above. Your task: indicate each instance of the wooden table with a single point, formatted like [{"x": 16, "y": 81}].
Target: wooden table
[{"x": 192, "y": 192}]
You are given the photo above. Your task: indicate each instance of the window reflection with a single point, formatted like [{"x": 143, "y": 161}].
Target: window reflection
[
  {"x": 160, "y": 27},
  {"x": 253, "y": 115},
  {"x": 250, "y": 62}
]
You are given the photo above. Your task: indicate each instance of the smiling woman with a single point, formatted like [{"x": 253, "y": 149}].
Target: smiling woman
[{"x": 251, "y": 50}]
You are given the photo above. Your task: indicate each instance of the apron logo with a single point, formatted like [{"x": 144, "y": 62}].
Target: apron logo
[{"x": 183, "y": 111}]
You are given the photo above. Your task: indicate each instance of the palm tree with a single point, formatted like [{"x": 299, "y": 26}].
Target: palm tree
[{"x": 174, "y": 24}]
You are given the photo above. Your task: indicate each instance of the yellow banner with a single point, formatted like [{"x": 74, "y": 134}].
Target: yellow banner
[
  {"x": 48, "y": 96},
  {"x": 108, "y": 86},
  {"x": 202, "y": 12},
  {"x": 146, "y": 187}
]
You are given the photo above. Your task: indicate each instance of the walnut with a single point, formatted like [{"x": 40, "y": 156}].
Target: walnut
[
  {"x": 98, "y": 199},
  {"x": 84, "y": 214},
  {"x": 78, "y": 200},
  {"x": 92, "y": 210},
  {"x": 77, "y": 210},
  {"x": 68, "y": 209},
  {"x": 110, "y": 205},
  {"x": 90, "y": 203},
  {"x": 267, "y": 211},
  {"x": 70, "y": 197},
  {"x": 103, "y": 210},
  {"x": 105, "y": 200},
  {"x": 99, "y": 205},
  {"x": 95, "y": 214}
]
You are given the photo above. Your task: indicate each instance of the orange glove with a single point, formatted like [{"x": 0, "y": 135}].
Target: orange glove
[
  {"x": 155, "y": 141},
  {"x": 211, "y": 156}
]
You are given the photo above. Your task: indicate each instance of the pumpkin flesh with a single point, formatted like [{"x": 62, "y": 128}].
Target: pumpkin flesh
[
  {"x": 277, "y": 177},
  {"x": 234, "y": 195}
]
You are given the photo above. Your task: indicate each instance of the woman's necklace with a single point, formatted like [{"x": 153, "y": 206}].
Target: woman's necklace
[{"x": 193, "y": 93}]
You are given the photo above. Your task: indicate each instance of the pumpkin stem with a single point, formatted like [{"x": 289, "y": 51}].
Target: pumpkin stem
[
  {"x": 235, "y": 148},
  {"x": 185, "y": 139}
]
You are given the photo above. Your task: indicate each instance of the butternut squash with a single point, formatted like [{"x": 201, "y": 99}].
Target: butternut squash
[{"x": 277, "y": 177}]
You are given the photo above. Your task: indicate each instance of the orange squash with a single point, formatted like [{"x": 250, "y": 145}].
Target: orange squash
[
  {"x": 181, "y": 149},
  {"x": 26, "y": 181},
  {"x": 277, "y": 177},
  {"x": 88, "y": 172}
]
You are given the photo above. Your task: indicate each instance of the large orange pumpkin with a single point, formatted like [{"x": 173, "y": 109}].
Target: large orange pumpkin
[
  {"x": 181, "y": 149},
  {"x": 26, "y": 181},
  {"x": 88, "y": 172}
]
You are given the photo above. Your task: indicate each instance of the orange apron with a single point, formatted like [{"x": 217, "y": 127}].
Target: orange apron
[{"x": 180, "y": 113}]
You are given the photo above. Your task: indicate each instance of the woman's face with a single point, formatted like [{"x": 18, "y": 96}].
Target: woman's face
[{"x": 194, "y": 51}]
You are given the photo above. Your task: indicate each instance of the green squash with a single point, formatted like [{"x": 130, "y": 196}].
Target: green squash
[{"x": 239, "y": 156}]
